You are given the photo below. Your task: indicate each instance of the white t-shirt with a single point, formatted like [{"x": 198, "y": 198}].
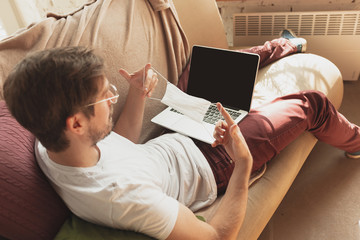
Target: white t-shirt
[{"x": 135, "y": 186}]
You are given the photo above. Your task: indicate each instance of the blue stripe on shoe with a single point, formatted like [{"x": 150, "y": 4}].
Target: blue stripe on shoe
[{"x": 353, "y": 154}]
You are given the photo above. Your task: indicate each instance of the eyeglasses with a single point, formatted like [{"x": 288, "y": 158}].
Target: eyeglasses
[{"x": 113, "y": 99}]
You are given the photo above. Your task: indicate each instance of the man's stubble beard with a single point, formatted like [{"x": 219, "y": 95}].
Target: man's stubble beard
[{"x": 97, "y": 135}]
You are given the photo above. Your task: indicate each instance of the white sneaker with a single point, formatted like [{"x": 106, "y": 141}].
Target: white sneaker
[{"x": 300, "y": 43}]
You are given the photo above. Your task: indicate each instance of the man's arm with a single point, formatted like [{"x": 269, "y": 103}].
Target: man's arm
[
  {"x": 227, "y": 220},
  {"x": 229, "y": 217},
  {"x": 130, "y": 121}
]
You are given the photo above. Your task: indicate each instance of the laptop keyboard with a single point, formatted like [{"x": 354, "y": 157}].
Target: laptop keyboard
[{"x": 213, "y": 115}]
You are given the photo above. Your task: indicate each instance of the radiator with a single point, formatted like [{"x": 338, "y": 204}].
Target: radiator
[{"x": 334, "y": 35}]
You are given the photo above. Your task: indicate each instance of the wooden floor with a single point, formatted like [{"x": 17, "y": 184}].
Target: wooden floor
[{"x": 324, "y": 200}]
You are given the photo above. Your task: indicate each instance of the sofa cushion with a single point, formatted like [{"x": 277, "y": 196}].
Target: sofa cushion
[
  {"x": 29, "y": 207},
  {"x": 76, "y": 228},
  {"x": 298, "y": 72}
]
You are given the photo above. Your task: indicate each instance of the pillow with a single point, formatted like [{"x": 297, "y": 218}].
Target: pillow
[
  {"x": 76, "y": 228},
  {"x": 29, "y": 207}
]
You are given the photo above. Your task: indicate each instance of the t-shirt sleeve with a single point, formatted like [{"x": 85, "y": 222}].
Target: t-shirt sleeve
[{"x": 145, "y": 208}]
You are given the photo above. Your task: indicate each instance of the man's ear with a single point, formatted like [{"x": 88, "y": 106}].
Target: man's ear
[{"x": 76, "y": 123}]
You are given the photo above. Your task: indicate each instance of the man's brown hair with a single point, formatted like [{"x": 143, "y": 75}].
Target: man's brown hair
[{"x": 49, "y": 86}]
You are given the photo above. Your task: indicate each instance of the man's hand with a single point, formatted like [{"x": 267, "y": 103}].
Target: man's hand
[
  {"x": 234, "y": 202},
  {"x": 144, "y": 79},
  {"x": 228, "y": 134},
  {"x": 142, "y": 84}
]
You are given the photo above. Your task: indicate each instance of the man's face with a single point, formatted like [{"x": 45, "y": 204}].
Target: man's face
[
  {"x": 101, "y": 123},
  {"x": 98, "y": 133}
]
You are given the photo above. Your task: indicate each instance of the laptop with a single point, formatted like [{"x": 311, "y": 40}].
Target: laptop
[{"x": 217, "y": 75}]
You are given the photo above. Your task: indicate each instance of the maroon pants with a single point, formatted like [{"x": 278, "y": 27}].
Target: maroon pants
[{"x": 270, "y": 128}]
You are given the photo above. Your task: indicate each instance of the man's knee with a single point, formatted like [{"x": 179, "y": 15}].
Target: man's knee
[
  {"x": 316, "y": 98},
  {"x": 314, "y": 94}
]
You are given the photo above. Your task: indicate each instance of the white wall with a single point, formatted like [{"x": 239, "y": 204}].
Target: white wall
[
  {"x": 15, "y": 14},
  {"x": 228, "y": 8},
  {"x": 9, "y": 19}
]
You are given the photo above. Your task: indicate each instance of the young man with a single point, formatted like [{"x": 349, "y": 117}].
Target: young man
[{"x": 62, "y": 96}]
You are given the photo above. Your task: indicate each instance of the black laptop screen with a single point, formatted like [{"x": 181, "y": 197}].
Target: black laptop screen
[{"x": 223, "y": 76}]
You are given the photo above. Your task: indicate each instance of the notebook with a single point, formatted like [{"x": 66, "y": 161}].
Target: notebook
[{"x": 217, "y": 75}]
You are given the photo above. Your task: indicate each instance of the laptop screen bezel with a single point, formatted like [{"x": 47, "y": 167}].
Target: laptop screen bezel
[{"x": 221, "y": 75}]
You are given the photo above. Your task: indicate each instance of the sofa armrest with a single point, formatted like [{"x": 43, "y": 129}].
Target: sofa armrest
[{"x": 201, "y": 22}]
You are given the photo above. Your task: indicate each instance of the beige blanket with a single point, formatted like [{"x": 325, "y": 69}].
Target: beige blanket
[{"x": 127, "y": 34}]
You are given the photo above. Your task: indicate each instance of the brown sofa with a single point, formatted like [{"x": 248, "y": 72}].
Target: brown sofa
[{"x": 129, "y": 34}]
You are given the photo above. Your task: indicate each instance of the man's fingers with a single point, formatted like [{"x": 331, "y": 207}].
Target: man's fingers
[
  {"x": 150, "y": 82},
  {"x": 225, "y": 114},
  {"x": 125, "y": 74},
  {"x": 142, "y": 79},
  {"x": 147, "y": 67},
  {"x": 215, "y": 144},
  {"x": 235, "y": 132},
  {"x": 151, "y": 79}
]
